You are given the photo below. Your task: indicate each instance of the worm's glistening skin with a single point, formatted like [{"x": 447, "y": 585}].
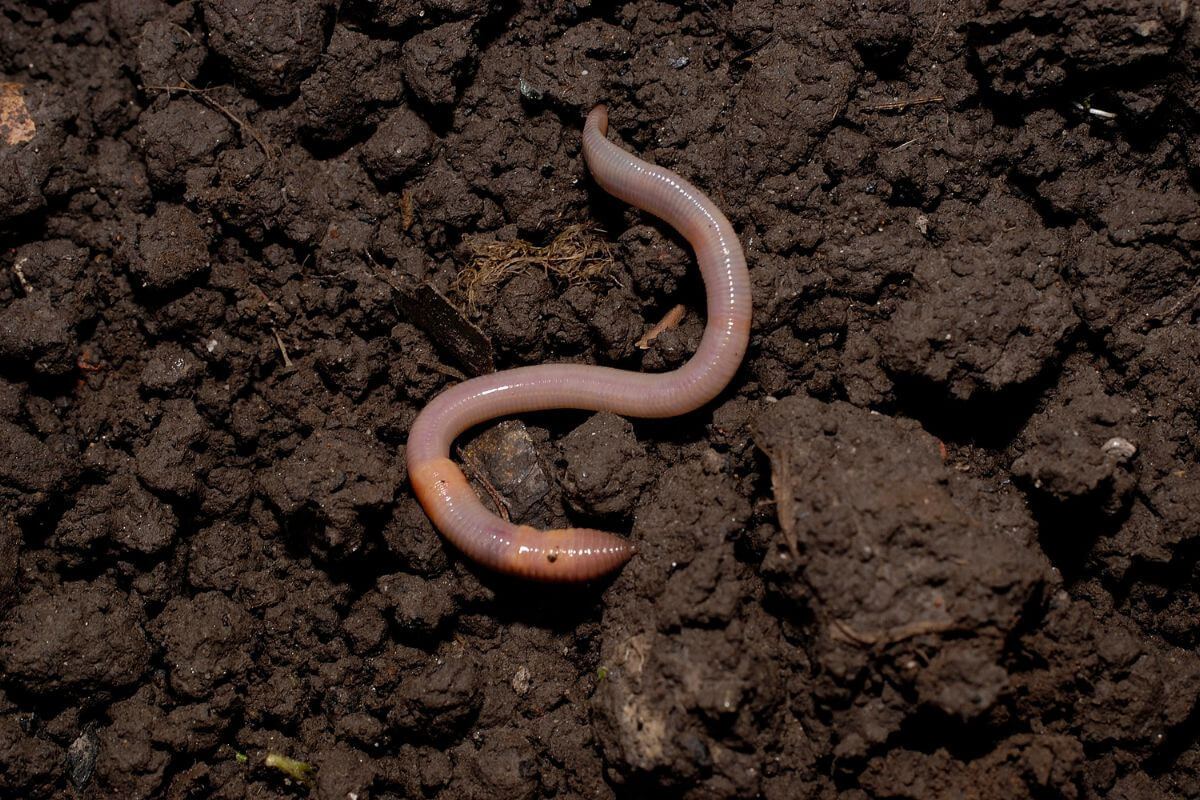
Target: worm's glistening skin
[{"x": 580, "y": 554}]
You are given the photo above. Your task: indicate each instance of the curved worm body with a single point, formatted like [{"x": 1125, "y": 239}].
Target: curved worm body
[{"x": 580, "y": 554}]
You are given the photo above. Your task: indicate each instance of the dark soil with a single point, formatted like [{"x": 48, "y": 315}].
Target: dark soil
[{"x": 939, "y": 539}]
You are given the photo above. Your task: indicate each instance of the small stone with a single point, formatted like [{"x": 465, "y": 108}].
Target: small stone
[
  {"x": 1119, "y": 448},
  {"x": 81, "y": 758},
  {"x": 528, "y": 90},
  {"x": 521, "y": 681}
]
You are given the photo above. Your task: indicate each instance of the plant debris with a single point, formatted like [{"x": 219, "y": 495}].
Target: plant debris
[{"x": 577, "y": 255}]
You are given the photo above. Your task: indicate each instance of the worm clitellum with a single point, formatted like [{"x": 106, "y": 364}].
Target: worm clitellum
[{"x": 580, "y": 554}]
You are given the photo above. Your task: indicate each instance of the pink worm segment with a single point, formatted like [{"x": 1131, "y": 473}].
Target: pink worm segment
[{"x": 580, "y": 554}]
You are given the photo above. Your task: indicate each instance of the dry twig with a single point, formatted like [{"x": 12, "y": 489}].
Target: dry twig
[
  {"x": 287, "y": 362},
  {"x": 20, "y": 273},
  {"x": 669, "y": 321},
  {"x": 202, "y": 95},
  {"x": 900, "y": 105}
]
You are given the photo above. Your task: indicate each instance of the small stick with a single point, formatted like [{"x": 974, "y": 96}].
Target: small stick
[
  {"x": 1187, "y": 300},
  {"x": 287, "y": 362},
  {"x": 271, "y": 305},
  {"x": 898, "y": 105},
  {"x": 202, "y": 94},
  {"x": 841, "y": 630},
  {"x": 669, "y": 321},
  {"x": 21, "y": 275},
  {"x": 754, "y": 48},
  {"x": 442, "y": 369},
  {"x": 407, "y": 209},
  {"x": 476, "y": 472}
]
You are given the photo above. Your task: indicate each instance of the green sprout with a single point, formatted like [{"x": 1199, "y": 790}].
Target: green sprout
[{"x": 300, "y": 771}]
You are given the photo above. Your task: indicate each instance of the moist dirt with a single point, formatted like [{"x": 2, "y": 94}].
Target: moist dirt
[{"x": 939, "y": 538}]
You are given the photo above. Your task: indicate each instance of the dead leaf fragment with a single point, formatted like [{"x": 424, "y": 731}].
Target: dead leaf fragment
[{"x": 16, "y": 123}]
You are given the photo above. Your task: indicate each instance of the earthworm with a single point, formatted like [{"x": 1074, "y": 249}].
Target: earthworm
[{"x": 580, "y": 554}]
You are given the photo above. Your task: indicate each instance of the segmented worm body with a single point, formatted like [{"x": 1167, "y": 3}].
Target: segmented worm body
[{"x": 580, "y": 554}]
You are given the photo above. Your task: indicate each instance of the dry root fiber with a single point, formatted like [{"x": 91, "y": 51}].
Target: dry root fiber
[{"x": 577, "y": 255}]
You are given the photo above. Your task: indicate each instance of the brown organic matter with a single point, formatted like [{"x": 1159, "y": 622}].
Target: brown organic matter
[{"x": 939, "y": 538}]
